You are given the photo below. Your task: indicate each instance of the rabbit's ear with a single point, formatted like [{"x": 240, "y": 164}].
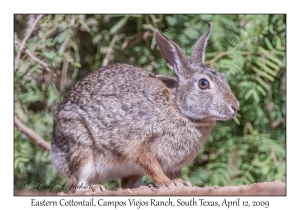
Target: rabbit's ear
[
  {"x": 198, "y": 54},
  {"x": 173, "y": 54}
]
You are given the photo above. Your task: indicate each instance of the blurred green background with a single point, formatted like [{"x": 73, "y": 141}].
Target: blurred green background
[{"x": 250, "y": 50}]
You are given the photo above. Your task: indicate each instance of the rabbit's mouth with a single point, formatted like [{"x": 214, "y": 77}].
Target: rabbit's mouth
[
  {"x": 227, "y": 113},
  {"x": 223, "y": 117},
  {"x": 219, "y": 117},
  {"x": 213, "y": 117}
]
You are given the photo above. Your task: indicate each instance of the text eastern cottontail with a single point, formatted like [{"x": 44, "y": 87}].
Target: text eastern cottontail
[{"x": 121, "y": 122}]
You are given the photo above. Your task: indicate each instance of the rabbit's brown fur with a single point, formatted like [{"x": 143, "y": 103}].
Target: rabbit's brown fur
[{"x": 123, "y": 122}]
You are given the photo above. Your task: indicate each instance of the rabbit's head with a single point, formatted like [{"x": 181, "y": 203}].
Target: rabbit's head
[{"x": 201, "y": 92}]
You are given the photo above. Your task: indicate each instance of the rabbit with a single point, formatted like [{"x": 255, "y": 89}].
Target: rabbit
[{"x": 123, "y": 122}]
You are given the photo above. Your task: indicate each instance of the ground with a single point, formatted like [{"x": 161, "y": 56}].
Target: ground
[{"x": 266, "y": 188}]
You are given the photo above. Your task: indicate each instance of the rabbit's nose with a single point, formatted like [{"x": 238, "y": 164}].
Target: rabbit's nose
[
  {"x": 235, "y": 106},
  {"x": 234, "y": 109}
]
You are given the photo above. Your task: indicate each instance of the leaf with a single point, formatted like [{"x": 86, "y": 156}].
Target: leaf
[
  {"x": 261, "y": 90},
  {"x": 119, "y": 25},
  {"x": 248, "y": 94},
  {"x": 271, "y": 57},
  {"x": 271, "y": 64},
  {"x": 264, "y": 67},
  {"x": 255, "y": 95},
  {"x": 268, "y": 43},
  {"x": 263, "y": 83},
  {"x": 263, "y": 74},
  {"x": 236, "y": 120},
  {"x": 85, "y": 26},
  {"x": 78, "y": 65},
  {"x": 249, "y": 177},
  {"x": 50, "y": 55},
  {"x": 51, "y": 96}
]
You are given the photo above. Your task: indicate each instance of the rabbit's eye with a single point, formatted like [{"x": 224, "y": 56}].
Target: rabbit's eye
[{"x": 203, "y": 84}]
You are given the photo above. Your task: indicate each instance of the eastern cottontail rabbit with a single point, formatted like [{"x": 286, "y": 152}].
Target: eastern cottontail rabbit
[{"x": 121, "y": 122}]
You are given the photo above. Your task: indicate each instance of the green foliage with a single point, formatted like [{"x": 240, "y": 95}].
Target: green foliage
[{"x": 248, "y": 49}]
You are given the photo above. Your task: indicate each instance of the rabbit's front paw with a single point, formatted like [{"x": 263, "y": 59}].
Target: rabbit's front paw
[
  {"x": 98, "y": 188},
  {"x": 165, "y": 184},
  {"x": 179, "y": 181}
]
